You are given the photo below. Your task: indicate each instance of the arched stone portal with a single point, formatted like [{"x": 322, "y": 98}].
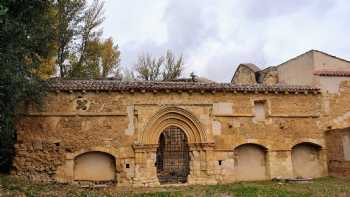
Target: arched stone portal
[
  {"x": 200, "y": 147},
  {"x": 174, "y": 116}
]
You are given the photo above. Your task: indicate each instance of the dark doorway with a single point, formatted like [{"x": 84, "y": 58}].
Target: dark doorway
[{"x": 173, "y": 158}]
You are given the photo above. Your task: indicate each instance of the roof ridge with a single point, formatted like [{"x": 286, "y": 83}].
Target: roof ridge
[
  {"x": 293, "y": 58},
  {"x": 333, "y": 56}
]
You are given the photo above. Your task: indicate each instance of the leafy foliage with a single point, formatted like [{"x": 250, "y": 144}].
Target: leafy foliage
[
  {"x": 110, "y": 59},
  {"x": 173, "y": 66},
  {"x": 81, "y": 51},
  {"x": 166, "y": 68},
  {"x": 92, "y": 19},
  {"x": 69, "y": 17},
  {"x": 102, "y": 59},
  {"x": 26, "y": 37},
  {"x": 148, "y": 68}
]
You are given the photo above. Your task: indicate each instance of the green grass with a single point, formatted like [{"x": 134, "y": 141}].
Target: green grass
[{"x": 324, "y": 187}]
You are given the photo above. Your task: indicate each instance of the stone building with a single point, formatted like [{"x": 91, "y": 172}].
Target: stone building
[{"x": 290, "y": 120}]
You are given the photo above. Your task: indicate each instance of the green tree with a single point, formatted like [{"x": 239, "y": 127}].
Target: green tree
[
  {"x": 26, "y": 37},
  {"x": 110, "y": 59},
  {"x": 69, "y": 16},
  {"x": 102, "y": 60},
  {"x": 148, "y": 68},
  {"x": 92, "y": 19},
  {"x": 173, "y": 66},
  {"x": 91, "y": 64},
  {"x": 165, "y": 68},
  {"x": 85, "y": 63}
]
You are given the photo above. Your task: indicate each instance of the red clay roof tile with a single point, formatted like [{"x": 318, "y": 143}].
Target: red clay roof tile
[{"x": 113, "y": 85}]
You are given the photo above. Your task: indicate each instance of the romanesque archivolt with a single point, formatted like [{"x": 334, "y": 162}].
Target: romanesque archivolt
[{"x": 173, "y": 116}]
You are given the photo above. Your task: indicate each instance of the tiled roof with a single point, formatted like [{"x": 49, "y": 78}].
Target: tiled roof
[
  {"x": 196, "y": 79},
  {"x": 332, "y": 73},
  {"x": 113, "y": 85}
]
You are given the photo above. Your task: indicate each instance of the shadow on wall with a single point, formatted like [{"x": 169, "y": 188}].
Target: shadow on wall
[
  {"x": 94, "y": 166},
  {"x": 250, "y": 162},
  {"x": 306, "y": 160}
]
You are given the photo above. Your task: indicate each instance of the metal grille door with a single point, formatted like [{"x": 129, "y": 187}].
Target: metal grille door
[{"x": 173, "y": 156}]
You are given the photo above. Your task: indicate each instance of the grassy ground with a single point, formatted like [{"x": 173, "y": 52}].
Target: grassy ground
[{"x": 332, "y": 187}]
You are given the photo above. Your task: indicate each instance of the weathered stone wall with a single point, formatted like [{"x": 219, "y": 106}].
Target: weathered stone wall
[
  {"x": 75, "y": 123},
  {"x": 324, "y": 61},
  {"x": 244, "y": 75},
  {"x": 335, "y": 122},
  {"x": 297, "y": 71},
  {"x": 338, "y": 152}
]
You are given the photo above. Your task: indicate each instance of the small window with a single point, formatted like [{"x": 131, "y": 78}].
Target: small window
[
  {"x": 260, "y": 110},
  {"x": 127, "y": 165},
  {"x": 220, "y": 162}
]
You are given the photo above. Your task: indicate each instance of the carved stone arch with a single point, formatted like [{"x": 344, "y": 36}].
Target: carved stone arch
[
  {"x": 173, "y": 116},
  {"x": 111, "y": 151},
  {"x": 261, "y": 145},
  {"x": 316, "y": 143}
]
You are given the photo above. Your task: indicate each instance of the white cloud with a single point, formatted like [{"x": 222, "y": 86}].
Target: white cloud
[{"x": 215, "y": 36}]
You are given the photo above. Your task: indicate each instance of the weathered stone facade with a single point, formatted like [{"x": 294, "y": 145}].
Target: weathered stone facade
[{"x": 110, "y": 131}]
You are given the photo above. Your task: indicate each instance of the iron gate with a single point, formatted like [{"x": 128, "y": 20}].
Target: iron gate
[{"x": 173, "y": 156}]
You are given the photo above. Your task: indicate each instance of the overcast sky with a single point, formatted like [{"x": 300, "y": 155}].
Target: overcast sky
[{"x": 216, "y": 35}]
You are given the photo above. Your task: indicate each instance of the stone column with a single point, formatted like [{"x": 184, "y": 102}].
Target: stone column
[
  {"x": 323, "y": 162},
  {"x": 145, "y": 169},
  {"x": 194, "y": 164},
  {"x": 201, "y": 168}
]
